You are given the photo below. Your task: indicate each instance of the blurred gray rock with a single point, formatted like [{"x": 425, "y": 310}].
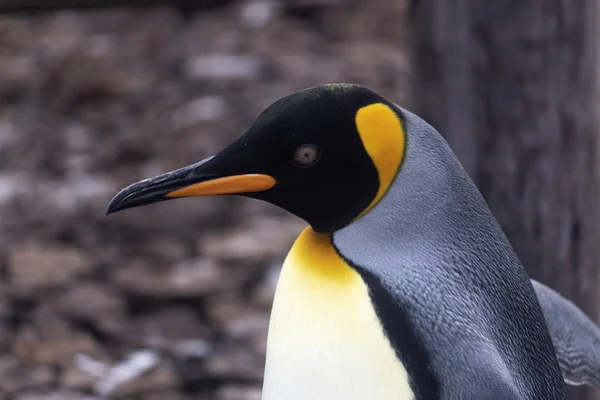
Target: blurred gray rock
[
  {"x": 165, "y": 247},
  {"x": 239, "y": 393},
  {"x": 5, "y": 308},
  {"x": 258, "y": 13},
  {"x": 223, "y": 66},
  {"x": 33, "y": 267},
  {"x": 194, "y": 277},
  {"x": 16, "y": 375},
  {"x": 160, "y": 378},
  {"x": 201, "y": 109},
  {"x": 248, "y": 325},
  {"x": 73, "y": 378},
  {"x": 235, "y": 362},
  {"x": 29, "y": 346},
  {"x": 171, "y": 395},
  {"x": 58, "y": 395},
  {"x": 264, "y": 292},
  {"x": 90, "y": 301},
  {"x": 174, "y": 329},
  {"x": 260, "y": 239},
  {"x": 49, "y": 339}
]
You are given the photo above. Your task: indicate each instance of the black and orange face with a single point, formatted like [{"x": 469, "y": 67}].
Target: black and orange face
[{"x": 326, "y": 154}]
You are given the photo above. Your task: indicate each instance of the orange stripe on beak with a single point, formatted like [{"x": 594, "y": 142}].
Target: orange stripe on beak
[{"x": 227, "y": 185}]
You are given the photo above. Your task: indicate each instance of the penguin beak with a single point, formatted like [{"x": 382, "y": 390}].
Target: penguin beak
[{"x": 200, "y": 179}]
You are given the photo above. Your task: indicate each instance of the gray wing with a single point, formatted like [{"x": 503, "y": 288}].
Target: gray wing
[{"x": 575, "y": 337}]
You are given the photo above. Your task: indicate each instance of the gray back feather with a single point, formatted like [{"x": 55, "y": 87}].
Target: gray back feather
[{"x": 575, "y": 337}]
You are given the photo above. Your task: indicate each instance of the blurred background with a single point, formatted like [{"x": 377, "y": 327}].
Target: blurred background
[{"x": 172, "y": 301}]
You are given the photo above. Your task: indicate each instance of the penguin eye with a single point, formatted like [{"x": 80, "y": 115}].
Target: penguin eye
[{"x": 306, "y": 155}]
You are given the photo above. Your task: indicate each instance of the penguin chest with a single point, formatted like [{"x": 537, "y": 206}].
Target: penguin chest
[{"x": 325, "y": 339}]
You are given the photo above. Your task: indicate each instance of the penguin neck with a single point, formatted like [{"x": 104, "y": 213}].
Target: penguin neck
[
  {"x": 431, "y": 200},
  {"x": 325, "y": 339}
]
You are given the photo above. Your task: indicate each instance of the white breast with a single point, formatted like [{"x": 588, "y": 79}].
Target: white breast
[{"x": 325, "y": 340}]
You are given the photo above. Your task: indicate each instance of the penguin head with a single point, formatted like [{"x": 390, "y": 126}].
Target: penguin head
[{"x": 326, "y": 154}]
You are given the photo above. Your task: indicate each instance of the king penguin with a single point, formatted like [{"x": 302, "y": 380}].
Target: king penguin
[{"x": 402, "y": 286}]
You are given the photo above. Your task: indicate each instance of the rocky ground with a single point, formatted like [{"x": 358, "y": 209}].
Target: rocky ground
[{"x": 170, "y": 301}]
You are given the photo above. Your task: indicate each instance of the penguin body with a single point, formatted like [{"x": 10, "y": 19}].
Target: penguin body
[{"x": 403, "y": 286}]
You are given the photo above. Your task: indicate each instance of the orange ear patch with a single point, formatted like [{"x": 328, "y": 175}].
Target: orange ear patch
[{"x": 384, "y": 140}]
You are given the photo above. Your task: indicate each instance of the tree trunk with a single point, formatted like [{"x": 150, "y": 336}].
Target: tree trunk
[{"x": 513, "y": 85}]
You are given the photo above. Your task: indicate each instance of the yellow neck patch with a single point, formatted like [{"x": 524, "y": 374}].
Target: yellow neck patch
[
  {"x": 320, "y": 260},
  {"x": 384, "y": 140},
  {"x": 325, "y": 339}
]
